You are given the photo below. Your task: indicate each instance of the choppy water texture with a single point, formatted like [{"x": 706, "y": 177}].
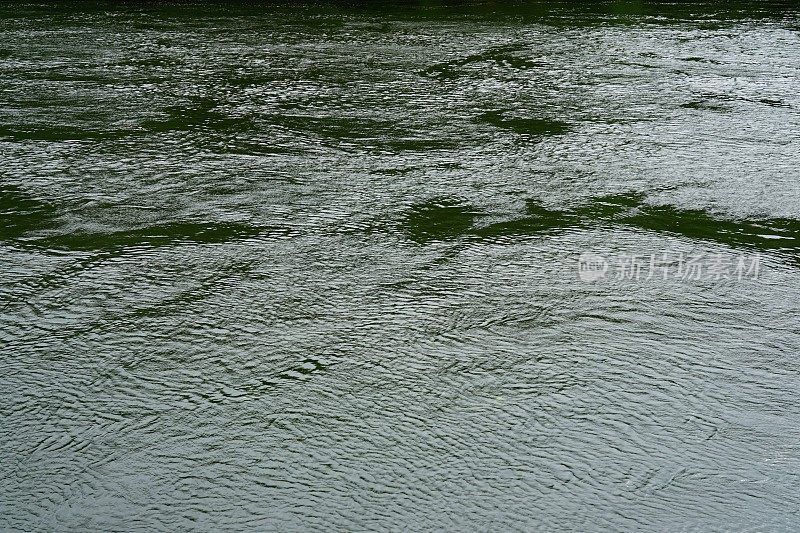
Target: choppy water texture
[{"x": 272, "y": 267}]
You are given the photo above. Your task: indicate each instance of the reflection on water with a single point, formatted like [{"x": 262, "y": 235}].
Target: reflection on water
[
  {"x": 448, "y": 219},
  {"x": 292, "y": 267},
  {"x": 21, "y": 213},
  {"x": 524, "y": 126}
]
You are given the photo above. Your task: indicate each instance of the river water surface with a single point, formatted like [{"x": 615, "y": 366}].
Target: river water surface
[{"x": 315, "y": 266}]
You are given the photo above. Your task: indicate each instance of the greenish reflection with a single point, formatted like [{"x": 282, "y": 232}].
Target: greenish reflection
[{"x": 444, "y": 220}]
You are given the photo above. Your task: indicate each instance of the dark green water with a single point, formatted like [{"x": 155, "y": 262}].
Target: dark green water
[{"x": 315, "y": 266}]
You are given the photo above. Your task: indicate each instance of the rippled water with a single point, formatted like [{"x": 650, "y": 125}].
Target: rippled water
[{"x": 300, "y": 267}]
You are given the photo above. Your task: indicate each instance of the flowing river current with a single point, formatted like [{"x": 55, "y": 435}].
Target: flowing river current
[{"x": 422, "y": 266}]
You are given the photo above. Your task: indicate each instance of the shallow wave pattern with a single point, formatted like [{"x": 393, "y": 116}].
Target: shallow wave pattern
[{"x": 315, "y": 267}]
